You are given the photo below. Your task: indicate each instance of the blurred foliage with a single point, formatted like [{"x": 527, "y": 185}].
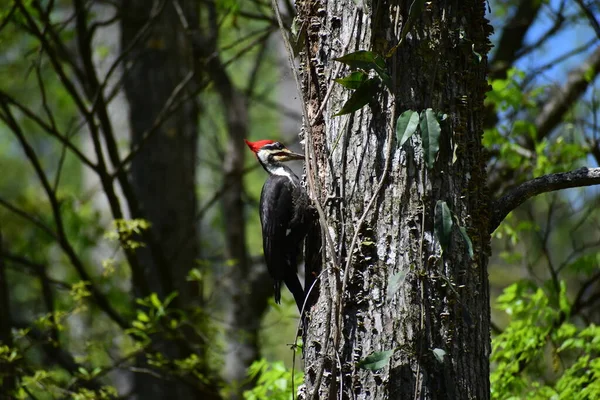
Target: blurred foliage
[
  {"x": 540, "y": 355},
  {"x": 273, "y": 381}
]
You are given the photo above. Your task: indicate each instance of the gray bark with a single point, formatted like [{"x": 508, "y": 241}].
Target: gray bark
[{"x": 392, "y": 289}]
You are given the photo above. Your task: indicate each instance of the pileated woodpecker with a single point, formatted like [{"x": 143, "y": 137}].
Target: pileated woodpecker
[{"x": 284, "y": 216}]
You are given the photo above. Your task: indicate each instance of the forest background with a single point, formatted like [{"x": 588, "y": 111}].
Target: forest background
[{"x": 130, "y": 253}]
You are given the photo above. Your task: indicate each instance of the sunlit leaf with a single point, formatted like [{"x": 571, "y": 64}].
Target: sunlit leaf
[
  {"x": 406, "y": 126},
  {"x": 352, "y": 81},
  {"x": 376, "y": 361},
  {"x": 439, "y": 354}
]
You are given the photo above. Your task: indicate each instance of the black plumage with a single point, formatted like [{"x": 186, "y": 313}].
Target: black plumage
[{"x": 284, "y": 215}]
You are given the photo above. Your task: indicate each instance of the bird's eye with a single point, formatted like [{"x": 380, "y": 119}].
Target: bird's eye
[{"x": 277, "y": 146}]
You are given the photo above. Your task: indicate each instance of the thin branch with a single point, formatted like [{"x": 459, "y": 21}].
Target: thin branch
[
  {"x": 8, "y": 17},
  {"x": 25, "y": 215},
  {"x": 577, "y": 83},
  {"x": 512, "y": 37},
  {"x": 590, "y": 16},
  {"x": 258, "y": 62},
  {"x": 554, "y": 62},
  {"x": 57, "y": 354},
  {"x": 553, "y": 30},
  {"x": 63, "y": 241},
  {"x": 548, "y": 183},
  {"x": 48, "y": 129},
  {"x": 171, "y": 105},
  {"x": 155, "y": 12},
  {"x": 25, "y": 266}
]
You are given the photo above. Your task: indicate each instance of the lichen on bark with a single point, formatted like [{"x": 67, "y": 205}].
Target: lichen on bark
[{"x": 442, "y": 301}]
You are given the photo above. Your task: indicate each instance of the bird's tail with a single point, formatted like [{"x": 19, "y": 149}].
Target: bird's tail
[
  {"x": 277, "y": 291},
  {"x": 293, "y": 284}
]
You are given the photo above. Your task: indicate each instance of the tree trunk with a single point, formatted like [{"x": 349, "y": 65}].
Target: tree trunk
[
  {"x": 386, "y": 286},
  {"x": 163, "y": 170}
]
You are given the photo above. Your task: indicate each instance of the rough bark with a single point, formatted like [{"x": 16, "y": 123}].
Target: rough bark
[
  {"x": 393, "y": 289},
  {"x": 163, "y": 170}
]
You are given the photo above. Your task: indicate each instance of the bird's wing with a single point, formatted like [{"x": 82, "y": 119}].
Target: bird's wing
[{"x": 276, "y": 212}]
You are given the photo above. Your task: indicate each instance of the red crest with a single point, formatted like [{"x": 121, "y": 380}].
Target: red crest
[{"x": 256, "y": 146}]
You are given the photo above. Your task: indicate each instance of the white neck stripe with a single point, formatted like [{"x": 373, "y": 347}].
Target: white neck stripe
[{"x": 281, "y": 171}]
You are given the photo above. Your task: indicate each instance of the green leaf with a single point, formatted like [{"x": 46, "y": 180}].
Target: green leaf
[
  {"x": 367, "y": 60},
  {"x": 394, "y": 282},
  {"x": 467, "y": 239},
  {"x": 406, "y": 126},
  {"x": 563, "y": 300},
  {"x": 170, "y": 298},
  {"x": 352, "y": 81},
  {"x": 443, "y": 223},
  {"x": 142, "y": 316},
  {"x": 430, "y": 133},
  {"x": 376, "y": 360},
  {"x": 155, "y": 301},
  {"x": 385, "y": 77},
  {"x": 362, "y": 59},
  {"x": 360, "y": 97},
  {"x": 439, "y": 354}
]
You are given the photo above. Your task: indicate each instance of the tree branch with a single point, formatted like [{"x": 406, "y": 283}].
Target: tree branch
[
  {"x": 512, "y": 38},
  {"x": 590, "y": 16},
  {"x": 577, "y": 82},
  {"x": 57, "y": 354},
  {"x": 548, "y": 183},
  {"x": 61, "y": 234}
]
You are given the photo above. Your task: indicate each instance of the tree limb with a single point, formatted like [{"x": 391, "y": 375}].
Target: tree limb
[
  {"x": 512, "y": 38},
  {"x": 590, "y": 16},
  {"x": 578, "y": 80},
  {"x": 61, "y": 234},
  {"x": 56, "y": 354},
  {"x": 548, "y": 183},
  {"x": 551, "y": 115}
]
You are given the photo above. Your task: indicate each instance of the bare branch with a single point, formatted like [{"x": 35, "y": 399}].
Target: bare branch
[
  {"x": 57, "y": 354},
  {"x": 48, "y": 129},
  {"x": 31, "y": 218},
  {"x": 559, "y": 19},
  {"x": 590, "y": 16},
  {"x": 29, "y": 267},
  {"x": 548, "y": 183},
  {"x": 8, "y": 17},
  {"x": 512, "y": 37},
  {"x": 577, "y": 82},
  {"x": 63, "y": 241}
]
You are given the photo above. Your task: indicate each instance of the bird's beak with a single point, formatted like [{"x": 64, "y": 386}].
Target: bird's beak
[{"x": 287, "y": 155}]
